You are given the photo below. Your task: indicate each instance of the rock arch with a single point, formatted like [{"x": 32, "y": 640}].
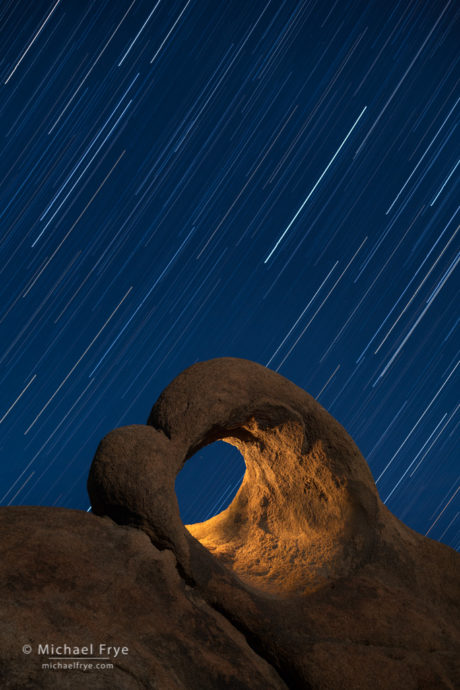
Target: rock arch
[{"x": 307, "y": 508}]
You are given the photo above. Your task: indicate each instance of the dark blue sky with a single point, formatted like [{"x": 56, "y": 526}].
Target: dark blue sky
[{"x": 269, "y": 180}]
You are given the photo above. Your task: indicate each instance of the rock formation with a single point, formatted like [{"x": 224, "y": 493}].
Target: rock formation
[{"x": 305, "y": 581}]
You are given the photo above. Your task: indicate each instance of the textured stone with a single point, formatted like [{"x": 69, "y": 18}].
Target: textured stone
[
  {"x": 305, "y": 581},
  {"x": 74, "y": 578}
]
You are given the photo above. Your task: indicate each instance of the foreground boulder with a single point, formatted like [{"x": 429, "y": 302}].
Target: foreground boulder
[{"x": 305, "y": 581}]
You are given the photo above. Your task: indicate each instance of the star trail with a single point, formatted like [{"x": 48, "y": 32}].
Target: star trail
[{"x": 270, "y": 180}]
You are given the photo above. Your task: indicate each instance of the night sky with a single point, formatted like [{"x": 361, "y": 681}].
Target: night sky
[{"x": 270, "y": 180}]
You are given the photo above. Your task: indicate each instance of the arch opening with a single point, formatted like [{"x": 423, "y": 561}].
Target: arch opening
[{"x": 209, "y": 481}]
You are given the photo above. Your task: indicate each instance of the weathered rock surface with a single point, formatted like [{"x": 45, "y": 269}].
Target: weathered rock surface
[
  {"x": 305, "y": 581},
  {"x": 68, "y": 577}
]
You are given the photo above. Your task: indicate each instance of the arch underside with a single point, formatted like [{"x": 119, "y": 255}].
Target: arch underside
[{"x": 290, "y": 525}]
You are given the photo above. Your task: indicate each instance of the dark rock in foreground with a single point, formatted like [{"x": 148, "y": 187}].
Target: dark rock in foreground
[{"x": 305, "y": 581}]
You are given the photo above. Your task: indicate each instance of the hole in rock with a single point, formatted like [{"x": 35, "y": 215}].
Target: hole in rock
[{"x": 208, "y": 482}]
